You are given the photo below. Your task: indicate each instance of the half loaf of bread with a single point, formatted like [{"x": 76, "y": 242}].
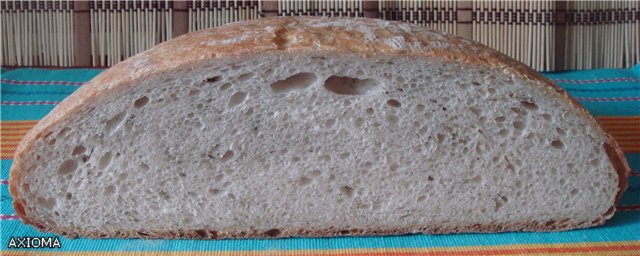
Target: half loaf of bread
[{"x": 316, "y": 127}]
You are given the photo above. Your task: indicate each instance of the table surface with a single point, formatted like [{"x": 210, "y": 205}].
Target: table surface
[{"x": 612, "y": 95}]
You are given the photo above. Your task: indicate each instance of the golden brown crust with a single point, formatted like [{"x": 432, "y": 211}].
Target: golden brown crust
[
  {"x": 330, "y": 232},
  {"x": 365, "y": 37}
]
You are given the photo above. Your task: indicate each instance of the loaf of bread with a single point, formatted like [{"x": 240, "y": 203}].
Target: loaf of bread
[{"x": 285, "y": 127}]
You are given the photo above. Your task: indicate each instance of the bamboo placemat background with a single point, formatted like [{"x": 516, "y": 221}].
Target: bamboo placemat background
[{"x": 546, "y": 35}]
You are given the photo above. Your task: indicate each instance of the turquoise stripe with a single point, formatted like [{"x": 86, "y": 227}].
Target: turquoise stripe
[
  {"x": 626, "y": 89},
  {"x": 5, "y": 165},
  {"x": 632, "y": 195},
  {"x": 28, "y": 93},
  {"x": 14, "y": 113},
  {"x": 596, "y": 74},
  {"x": 38, "y": 74},
  {"x": 6, "y": 201},
  {"x": 633, "y": 160}
]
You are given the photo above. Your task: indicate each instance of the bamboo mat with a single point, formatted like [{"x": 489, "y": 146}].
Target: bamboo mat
[{"x": 546, "y": 35}]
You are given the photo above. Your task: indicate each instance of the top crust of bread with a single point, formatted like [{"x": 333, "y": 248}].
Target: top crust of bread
[{"x": 366, "y": 37}]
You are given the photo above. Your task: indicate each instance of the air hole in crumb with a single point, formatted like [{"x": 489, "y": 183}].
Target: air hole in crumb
[
  {"x": 394, "y": 103},
  {"x": 47, "y": 203},
  {"x": 560, "y": 131},
  {"x": 227, "y": 155},
  {"x": 143, "y": 167},
  {"x": 63, "y": 132},
  {"x": 421, "y": 198},
  {"x": 225, "y": 86},
  {"x": 194, "y": 92},
  {"x": 573, "y": 192},
  {"x": 529, "y": 105},
  {"x": 109, "y": 190},
  {"x": 359, "y": 122},
  {"x": 393, "y": 119},
  {"x": 420, "y": 107},
  {"x": 237, "y": 98},
  {"x": 245, "y": 77},
  {"x": 503, "y": 132},
  {"x": 273, "y": 232},
  {"x": 329, "y": 123},
  {"x": 141, "y": 102},
  {"x": 500, "y": 119},
  {"x": 344, "y": 155},
  {"x": 115, "y": 122},
  {"x": 518, "y": 184},
  {"x": 557, "y": 144},
  {"x": 475, "y": 110},
  {"x": 531, "y": 136},
  {"x": 347, "y": 191},
  {"x": 518, "y": 125},
  {"x": 595, "y": 162},
  {"x": 214, "y": 191},
  {"x": 67, "y": 167},
  {"x": 104, "y": 161},
  {"x": 369, "y": 111},
  {"x": 296, "y": 82},
  {"x": 122, "y": 177},
  {"x": 500, "y": 202},
  {"x": 303, "y": 181},
  {"x": 475, "y": 180},
  {"x": 213, "y": 79},
  {"x": 546, "y": 117},
  {"x": 78, "y": 150},
  {"x": 349, "y": 86},
  {"x": 316, "y": 173}
]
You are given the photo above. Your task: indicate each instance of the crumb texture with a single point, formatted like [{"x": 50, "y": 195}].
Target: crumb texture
[{"x": 311, "y": 142}]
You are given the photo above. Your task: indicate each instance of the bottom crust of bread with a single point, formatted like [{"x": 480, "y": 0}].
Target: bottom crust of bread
[{"x": 328, "y": 232}]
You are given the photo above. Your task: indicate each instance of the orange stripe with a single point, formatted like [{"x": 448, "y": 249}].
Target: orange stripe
[
  {"x": 609, "y": 128},
  {"x": 626, "y": 138},
  {"x": 17, "y": 123},
  {"x": 628, "y": 142},
  {"x": 9, "y": 134},
  {"x": 625, "y": 133},
  {"x": 621, "y": 126},
  {"x": 12, "y": 139},
  {"x": 19, "y": 128}
]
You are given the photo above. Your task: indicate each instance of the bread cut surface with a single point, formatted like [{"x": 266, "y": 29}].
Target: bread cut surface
[{"x": 316, "y": 127}]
